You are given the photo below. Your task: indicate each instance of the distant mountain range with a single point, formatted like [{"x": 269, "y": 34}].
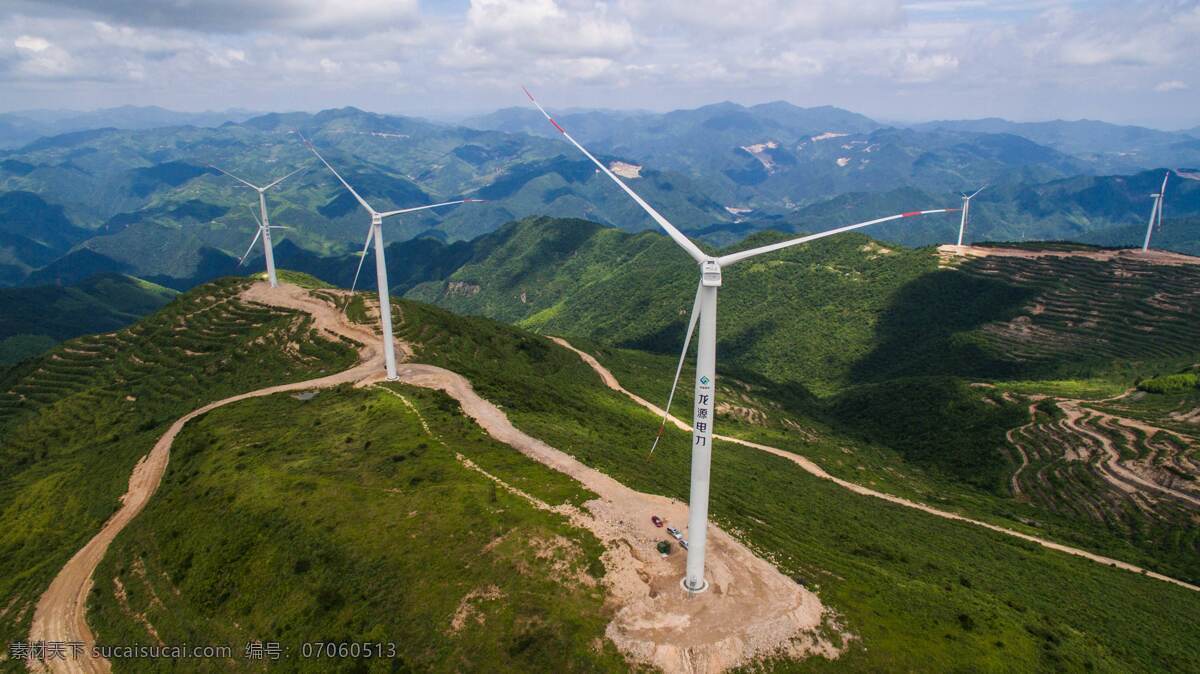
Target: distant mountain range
[
  {"x": 25, "y": 126},
  {"x": 143, "y": 201},
  {"x": 1111, "y": 147}
]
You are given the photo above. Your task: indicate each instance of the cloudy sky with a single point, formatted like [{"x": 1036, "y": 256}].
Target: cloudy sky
[{"x": 896, "y": 60}]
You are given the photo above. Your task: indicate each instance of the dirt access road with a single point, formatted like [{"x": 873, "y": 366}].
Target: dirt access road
[
  {"x": 750, "y": 611},
  {"x": 61, "y": 612},
  {"x": 814, "y": 469}
]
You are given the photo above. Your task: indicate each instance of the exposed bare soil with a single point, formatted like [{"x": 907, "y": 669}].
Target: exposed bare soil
[{"x": 949, "y": 251}]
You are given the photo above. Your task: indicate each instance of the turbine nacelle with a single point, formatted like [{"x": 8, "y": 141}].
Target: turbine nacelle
[{"x": 710, "y": 273}]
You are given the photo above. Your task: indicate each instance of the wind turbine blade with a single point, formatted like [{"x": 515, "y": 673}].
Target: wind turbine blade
[
  {"x": 278, "y": 227},
  {"x": 737, "y": 257},
  {"x": 687, "y": 340},
  {"x": 978, "y": 191},
  {"x": 1162, "y": 197},
  {"x": 422, "y": 208},
  {"x": 233, "y": 176},
  {"x": 339, "y": 176},
  {"x": 253, "y": 215},
  {"x": 253, "y": 241},
  {"x": 684, "y": 242},
  {"x": 362, "y": 258},
  {"x": 302, "y": 168}
]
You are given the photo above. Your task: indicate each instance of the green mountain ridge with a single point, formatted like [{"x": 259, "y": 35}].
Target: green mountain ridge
[
  {"x": 831, "y": 314},
  {"x": 35, "y": 318}
]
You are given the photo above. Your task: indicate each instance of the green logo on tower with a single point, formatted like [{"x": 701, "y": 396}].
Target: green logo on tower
[{"x": 704, "y": 380}]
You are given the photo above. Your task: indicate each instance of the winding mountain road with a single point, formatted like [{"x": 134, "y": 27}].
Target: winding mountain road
[
  {"x": 809, "y": 466},
  {"x": 751, "y": 609},
  {"x": 61, "y": 612}
]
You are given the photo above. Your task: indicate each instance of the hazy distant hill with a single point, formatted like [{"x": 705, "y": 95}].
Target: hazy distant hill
[
  {"x": 21, "y": 127},
  {"x": 1111, "y": 147},
  {"x": 144, "y": 202},
  {"x": 33, "y": 233}
]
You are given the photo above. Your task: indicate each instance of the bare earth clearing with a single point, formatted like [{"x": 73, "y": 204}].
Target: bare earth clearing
[
  {"x": 948, "y": 252},
  {"x": 814, "y": 469},
  {"x": 750, "y": 611}
]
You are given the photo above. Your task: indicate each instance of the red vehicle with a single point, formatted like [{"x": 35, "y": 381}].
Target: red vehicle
[{"x": 657, "y": 521}]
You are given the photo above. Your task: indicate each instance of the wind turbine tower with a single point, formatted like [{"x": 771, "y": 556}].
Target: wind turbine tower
[
  {"x": 966, "y": 208},
  {"x": 264, "y": 223},
  {"x": 704, "y": 312},
  {"x": 375, "y": 235},
  {"x": 1156, "y": 212}
]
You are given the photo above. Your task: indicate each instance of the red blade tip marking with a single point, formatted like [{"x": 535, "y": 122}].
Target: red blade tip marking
[
  {"x": 910, "y": 214},
  {"x": 560, "y": 129}
]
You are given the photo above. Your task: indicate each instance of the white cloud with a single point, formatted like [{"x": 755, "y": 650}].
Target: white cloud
[
  {"x": 736, "y": 19},
  {"x": 1171, "y": 85},
  {"x": 31, "y": 43},
  {"x": 915, "y": 67},
  {"x": 515, "y": 27},
  {"x": 310, "y": 17},
  {"x": 38, "y": 58},
  {"x": 1018, "y": 58}
]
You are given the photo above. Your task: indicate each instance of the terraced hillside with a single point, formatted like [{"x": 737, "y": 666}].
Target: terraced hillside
[
  {"x": 34, "y": 319},
  {"x": 1097, "y": 463},
  {"x": 1020, "y": 314},
  {"x": 1124, "y": 308},
  {"x": 75, "y": 420}
]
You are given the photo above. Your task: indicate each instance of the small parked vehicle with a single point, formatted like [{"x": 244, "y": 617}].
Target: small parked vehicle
[
  {"x": 656, "y": 520},
  {"x": 675, "y": 533},
  {"x": 683, "y": 544}
]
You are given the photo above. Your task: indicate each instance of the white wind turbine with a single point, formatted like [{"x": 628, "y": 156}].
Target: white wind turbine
[
  {"x": 264, "y": 223},
  {"x": 704, "y": 310},
  {"x": 261, "y": 229},
  {"x": 1156, "y": 212},
  {"x": 966, "y": 208},
  {"x": 375, "y": 234}
]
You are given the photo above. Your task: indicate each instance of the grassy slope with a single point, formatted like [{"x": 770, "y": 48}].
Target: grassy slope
[
  {"x": 922, "y": 593},
  {"x": 841, "y": 311},
  {"x": 340, "y": 519},
  {"x": 101, "y": 303},
  {"x": 573, "y": 278},
  {"x": 76, "y": 420}
]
